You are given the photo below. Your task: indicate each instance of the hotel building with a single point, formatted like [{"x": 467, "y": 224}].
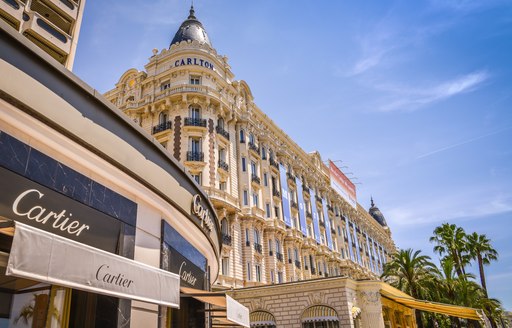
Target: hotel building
[{"x": 285, "y": 215}]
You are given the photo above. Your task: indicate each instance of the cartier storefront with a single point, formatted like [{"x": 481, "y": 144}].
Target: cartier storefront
[{"x": 99, "y": 227}]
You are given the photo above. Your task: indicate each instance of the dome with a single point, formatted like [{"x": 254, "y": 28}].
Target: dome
[
  {"x": 377, "y": 214},
  {"x": 191, "y": 30}
]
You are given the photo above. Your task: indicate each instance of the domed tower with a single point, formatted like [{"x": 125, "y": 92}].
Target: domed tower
[
  {"x": 377, "y": 214},
  {"x": 191, "y": 30}
]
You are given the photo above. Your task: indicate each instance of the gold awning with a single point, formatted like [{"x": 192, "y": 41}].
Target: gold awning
[
  {"x": 262, "y": 318},
  {"x": 319, "y": 313},
  {"x": 441, "y": 308}
]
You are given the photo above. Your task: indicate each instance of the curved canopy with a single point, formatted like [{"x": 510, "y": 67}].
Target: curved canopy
[
  {"x": 262, "y": 318},
  {"x": 319, "y": 313}
]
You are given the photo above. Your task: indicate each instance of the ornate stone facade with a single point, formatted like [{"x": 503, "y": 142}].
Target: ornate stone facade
[{"x": 188, "y": 99}]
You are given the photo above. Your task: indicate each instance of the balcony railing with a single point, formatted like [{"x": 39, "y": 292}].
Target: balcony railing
[
  {"x": 253, "y": 147},
  {"x": 308, "y": 214},
  {"x": 162, "y": 127},
  {"x": 226, "y": 239},
  {"x": 258, "y": 248},
  {"x": 290, "y": 176},
  {"x": 276, "y": 193},
  {"x": 294, "y": 204},
  {"x": 195, "y": 156},
  {"x": 305, "y": 188},
  {"x": 318, "y": 198},
  {"x": 223, "y": 165},
  {"x": 297, "y": 264},
  {"x": 279, "y": 256},
  {"x": 330, "y": 208},
  {"x": 220, "y": 130},
  {"x": 333, "y": 231},
  {"x": 255, "y": 179},
  {"x": 273, "y": 163},
  {"x": 193, "y": 121},
  {"x": 322, "y": 224}
]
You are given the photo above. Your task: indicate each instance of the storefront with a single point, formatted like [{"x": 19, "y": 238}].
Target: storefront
[{"x": 99, "y": 227}]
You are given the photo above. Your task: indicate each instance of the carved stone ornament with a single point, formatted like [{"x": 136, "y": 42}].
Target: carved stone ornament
[
  {"x": 316, "y": 298},
  {"x": 369, "y": 298},
  {"x": 258, "y": 304}
]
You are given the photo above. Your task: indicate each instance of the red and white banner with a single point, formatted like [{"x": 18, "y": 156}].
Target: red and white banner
[{"x": 343, "y": 186}]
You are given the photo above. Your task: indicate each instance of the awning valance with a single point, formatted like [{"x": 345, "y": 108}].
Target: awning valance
[
  {"x": 319, "y": 313},
  {"x": 225, "y": 310},
  {"x": 262, "y": 318},
  {"x": 42, "y": 256},
  {"x": 441, "y": 308}
]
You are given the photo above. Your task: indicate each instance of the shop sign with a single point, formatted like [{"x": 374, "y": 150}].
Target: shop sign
[
  {"x": 33, "y": 204},
  {"x": 236, "y": 312},
  {"x": 202, "y": 213},
  {"x": 190, "y": 274},
  {"x": 45, "y": 257}
]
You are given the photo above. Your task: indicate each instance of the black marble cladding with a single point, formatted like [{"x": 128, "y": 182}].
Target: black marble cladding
[{"x": 36, "y": 166}]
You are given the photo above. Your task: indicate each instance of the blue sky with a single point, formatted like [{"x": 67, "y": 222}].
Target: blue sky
[{"x": 413, "y": 96}]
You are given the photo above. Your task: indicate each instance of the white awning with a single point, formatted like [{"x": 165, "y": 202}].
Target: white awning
[
  {"x": 226, "y": 310},
  {"x": 45, "y": 257}
]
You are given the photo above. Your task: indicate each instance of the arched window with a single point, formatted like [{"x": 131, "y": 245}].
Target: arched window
[
  {"x": 224, "y": 227},
  {"x": 242, "y": 135},
  {"x": 320, "y": 316},
  {"x": 262, "y": 319},
  {"x": 162, "y": 118}
]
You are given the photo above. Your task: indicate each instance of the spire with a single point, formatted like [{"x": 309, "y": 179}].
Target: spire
[
  {"x": 192, "y": 12},
  {"x": 372, "y": 204}
]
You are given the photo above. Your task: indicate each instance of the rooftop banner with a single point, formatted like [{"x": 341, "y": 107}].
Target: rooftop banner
[
  {"x": 342, "y": 185},
  {"x": 316, "y": 226},
  {"x": 45, "y": 257},
  {"x": 285, "y": 196},
  {"x": 302, "y": 207},
  {"x": 327, "y": 224}
]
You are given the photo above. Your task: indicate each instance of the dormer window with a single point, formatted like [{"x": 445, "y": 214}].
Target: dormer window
[{"x": 195, "y": 79}]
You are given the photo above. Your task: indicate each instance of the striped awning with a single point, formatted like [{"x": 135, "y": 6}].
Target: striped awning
[
  {"x": 319, "y": 313},
  {"x": 261, "y": 318}
]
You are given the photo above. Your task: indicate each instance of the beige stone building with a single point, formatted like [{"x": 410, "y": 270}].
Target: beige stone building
[
  {"x": 285, "y": 215},
  {"x": 53, "y": 25}
]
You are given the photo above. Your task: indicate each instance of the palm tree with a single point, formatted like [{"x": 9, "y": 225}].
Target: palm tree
[
  {"x": 480, "y": 249},
  {"x": 412, "y": 273},
  {"x": 450, "y": 241}
]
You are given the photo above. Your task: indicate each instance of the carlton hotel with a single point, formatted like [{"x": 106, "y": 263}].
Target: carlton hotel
[{"x": 285, "y": 214}]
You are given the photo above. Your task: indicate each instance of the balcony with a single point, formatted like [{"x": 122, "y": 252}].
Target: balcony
[
  {"x": 297, "y": 264},
  {"x": 258, "y": 248},
  {"x": 305, "y": 188},
  {"x": 308, "y": 214},
  {"x": 195, "y": 156},
  {"x": 226, "y": 239},
  {"x": 66, "y": 7},
  {"x": 294, "y": 204},
  {"x": 279, "y": 256},
  {"x": 322, "y": 224},
  {"x": 333, "y": 231},
  {"x": 273, "y": 163},
  {"x": 220, "y": 130},
  {"x": 223, "y": 165},
  {"x": 330, "y": 208},
  {"x": 162, "y": 127},
  {"x": 318, "y": 198},
  {"x": 256, "y": 179},
  {"x": 254, "y": 148},
  {"x": 194, "y": 121},
  {"x": 290, "y": 176},
  {"x": 276, "y": 193}
]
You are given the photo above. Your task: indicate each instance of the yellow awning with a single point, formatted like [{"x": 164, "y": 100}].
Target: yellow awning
[{"x": 441, "y": 308}]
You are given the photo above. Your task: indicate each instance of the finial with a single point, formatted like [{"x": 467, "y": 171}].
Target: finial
[
  {"x": 192, "y": 12},
  {"x": 371, "y": 198}
]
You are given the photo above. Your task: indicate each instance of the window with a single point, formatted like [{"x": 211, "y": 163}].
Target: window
[
  {"x": 195, "y": 112},
  {"x": 263, "y": 153},
  {"x": 162, "y": 118},
  {"x": 246, "y": 198},
  {"x": 267, "y": 210},
  {"x": 270, "y": 246},
  {"x": 278, "y": 246},
  {"x": 276, "y": 211},
  {"x": 251, "y": 138},
  {"x": 265, "y": 179},
  {"x": 272, "y": 278},
  {"x": 247, "y": 241},
  {"x": 255, "y": 199},
  {"x": 242, "y": 136},
  {"x": 220, "y": 123},
  {"x": 249, "y": 271},
  {"x": 165, "y": 85},
  {"x": 254, "y": 168},
  {"x": 195, "y": 79},
  {"x": 244, "y": 166},
  {"x": 296, "y": 253},
  {"x": 279, "y": 277},
  {"x": 256, "y": 236},
  {"x": 222, "y": 154},
  {"x": 225, "y": 266},
  {"x": 258, "y": 272},
  {"x": 222, "y": 185},
  {"x": 197, "y": 177},
  {"x": 194, "y": 145}
]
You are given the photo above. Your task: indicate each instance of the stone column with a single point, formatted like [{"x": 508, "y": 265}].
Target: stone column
[{"x": 368, "y": 299}]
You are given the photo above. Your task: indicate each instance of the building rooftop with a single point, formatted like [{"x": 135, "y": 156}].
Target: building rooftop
[
  {"x": 377, "y": 214},
  {"x": 191, "y": 30}
]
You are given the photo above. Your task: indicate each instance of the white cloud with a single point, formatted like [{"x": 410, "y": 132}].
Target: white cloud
[{"x": 411, "y": 99}]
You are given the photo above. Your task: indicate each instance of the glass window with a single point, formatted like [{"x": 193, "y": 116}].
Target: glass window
[
  {"x": 242, "y": 136},
  {"x": 265, "y": 179},
  {"x": 267, "y": 210},
  {"x": 258, "y": 272},
  {"x": 195, "y": 79},
  {"x": 225, "y": 266},
  {"x": 197, "y": 177},
  {"x": 162, "y": 118},
  {"x": 272, "y": 278},
  {"x": 244, "y": 165},
  {"x": 255, "y": 199},
  {"x": 254, "y": 168},
  {"x": 195, "y": 145},
  {"x": 220, "y": 123},
  {"x": 195, "y": 112},
  {"x": 165, "y": 85},
  {"x": 249, "y": 271},
  {"x": 263, "y": 153},
  {"x": 246, "y": 198},
  {"x": 279, "y": 277},
  {"x": 256, "y": 236}
]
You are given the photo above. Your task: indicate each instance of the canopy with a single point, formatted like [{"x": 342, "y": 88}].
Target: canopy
[
  {"x": 262, "y": 318},
  {"x": 319, "y": 313},
  {"x": 42, "y": 256},
  {"x": 226, "y": 311},
  {"x": 441, "y": 308}
]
